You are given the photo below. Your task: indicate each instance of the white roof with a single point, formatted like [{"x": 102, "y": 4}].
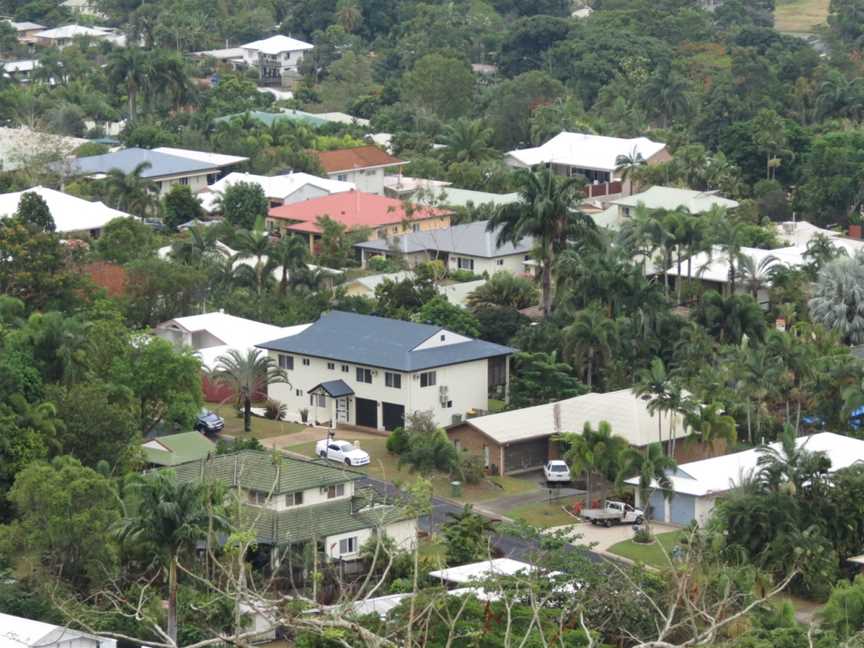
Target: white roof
[
  {"x": 282, "y": 186},
  {"x": 343, "y": 118},
  {"x": 625, "y": 412},
  {"x": 479, "y": 571},
  {"x": 277, "y": 44},
  {"x": 26, "y": 65},
  {"x": 800, "y": 233},
  {"x": 697, "y": 202},
  {"x": 235, "y": 332},
  {"x": 25, "y": 25},
  {"x": 585, "y": 151},
  {"x": 224, "y": 53},
  {"x": 22, "y": 145},
  {"x": 71, "y": 31},
  {"x": 70, "y": 213},
  {"x": 720, "y": 474},
  {"x": 714, "y": 266},
  {"x": 18, "y": 632},
  {"x": 371, "y": 282},
  {"x": 217, "y": 159}
]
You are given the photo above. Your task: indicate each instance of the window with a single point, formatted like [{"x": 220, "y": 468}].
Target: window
[
  {"x": 331, "y": 365},
  {"x": 184, "y": 181},
  {"x": 342, "y": 177},
  {"x": 348, "y": 545},
  {"x": 443, "y": 337},
  {"x": 286, "y": 362},
  {"x": 499, "y": 262},
  {"x": 321, "y": 400},
  {"x": 299, "y": 392},
  {"x": 344, "y": 368},
  {"x": 364, "y": 375},
  {"x": 465, "y": 264},
  {"x": 305, "y": 362},
  {"x": 415, "y": 227},
  {"x": 427, "y": 379},
  {"x": 393, "y": 380},
  {"x": 294, "y": 499},
  {"x": 257, "y": 498},
  {"x": 338, "y": 490}
]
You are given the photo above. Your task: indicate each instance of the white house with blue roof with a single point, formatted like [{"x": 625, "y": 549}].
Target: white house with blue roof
[{"x": 350, "y": 369}]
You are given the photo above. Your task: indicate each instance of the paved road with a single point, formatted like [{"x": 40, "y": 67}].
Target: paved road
[{"x": 507, "y": 545}]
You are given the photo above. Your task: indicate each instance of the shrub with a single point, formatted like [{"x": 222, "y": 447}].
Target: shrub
[
  {"x": 643, "y": 536},
  {"x": 383, "y": 264},
  {"x": 227, "y": 447},
  {"x": 470, "y": 468},
  {"x": 428, "y": 448},
  {"x": 274, "y": 410},
  {"x": 397, "y": 441},
  {"x": 463, "y": 275}
]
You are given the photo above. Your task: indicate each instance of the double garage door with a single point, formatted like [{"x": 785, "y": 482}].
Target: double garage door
[
  {"x": 526, "y": 455},
  {"x": 393, "y": 415}
]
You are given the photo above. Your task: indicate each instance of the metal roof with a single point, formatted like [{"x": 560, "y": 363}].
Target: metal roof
[
  {"x": 176, "y": 449},
  {"x": 657, "y": 197},
  {"x": 585, "y": 151},
  {"x": 161, "y": 164},
  {"x": 70, "y": 213},
  {"x": 385, "y": 343},
  {"x": 334, "y": 388},
  {"x": 277, "y": 44},
  {"x": 470, "y": 239}
]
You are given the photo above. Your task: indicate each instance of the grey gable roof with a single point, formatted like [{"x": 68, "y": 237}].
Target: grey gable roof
[
  {"x": 161, "y": 164},
  {"x": 380, "y": 342},
  {"x": 470, "y": 239}
]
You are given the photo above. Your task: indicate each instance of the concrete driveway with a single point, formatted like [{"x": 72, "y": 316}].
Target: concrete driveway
[{"x": 604, "y": 537}]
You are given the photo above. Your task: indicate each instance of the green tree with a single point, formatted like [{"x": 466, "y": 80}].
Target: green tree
[
  {"x": 440, "y": 85},
  {"x": 730, "y": 318},
  {"x": 131, "y": 192},
  {"x": 467, "y": 140},
  {"x": 589, "y": 341},
  {"x": 441, "y": 312},
  {"x": 336, "y": 247},
  {"x": 167, "y": 519},
  {"x": 545, "y": 211},
  {"x": 838, "y": 299},
  {"x": 34, "y": 212},
  {"x": 244, "y": 204},
  {"x": 596, "y": 452},
  {"x": 289, "y": 254},
  {"x": 65, "y": 513},
  {"x": 159, "y": 290},
  {"x": 844, "y": 611},
  {"x": 504, "y": 289},
  {"x": 180, "y": 206},
  {"x": 248, "y": 376},
  {"x": 652, "y": 467},
  {"x": 130, "y": 67},
  {"x": 466, "y": 536},
  {"x": 124, "y": 240}
]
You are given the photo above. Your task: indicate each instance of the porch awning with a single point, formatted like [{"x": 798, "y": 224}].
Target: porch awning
[{"x": 333, "y": 388}]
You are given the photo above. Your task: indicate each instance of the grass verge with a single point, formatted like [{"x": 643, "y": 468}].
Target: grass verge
[
  {"x": 546, "y": 514},
  {"x": 649, "y": 554},
  {"x": 262, "y": 428}
]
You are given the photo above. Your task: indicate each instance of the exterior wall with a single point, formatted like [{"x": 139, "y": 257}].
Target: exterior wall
[
  {"x": 511, "y": 263},
  {"x": 703, "y": 508},
  {"x": 311, "y": 497},
  {"x": 467, "y": 385},
  {"x": 196, "y": 182},
  {"x": 306, "y": 192},
  {"x": 331, "y": 544},
  {"x": 368, "y": 180},
  {"x": 476, "y": 443},
  {"x": 404, "y": 227},
  {"x": 403, "y": 533},
  {"x": 682, "y": 509}
]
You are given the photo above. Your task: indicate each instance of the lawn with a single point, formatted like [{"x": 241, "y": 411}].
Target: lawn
[
  {"x": 384, "y": 465},
  {"x": 800, "y": 15},
  {"x": 262, "y": 428},
  {"x": 650, "y": 554},
  {"x": 546, "y": 514}
]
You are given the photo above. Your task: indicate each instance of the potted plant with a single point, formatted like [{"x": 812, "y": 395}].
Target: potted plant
[
  {"x": 304, "y": 415},
  {"x": 855, "y": 225}
]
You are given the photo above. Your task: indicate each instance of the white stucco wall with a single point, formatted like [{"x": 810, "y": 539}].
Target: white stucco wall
[
  {"x": 467, "y": 385},
  {"x": 311, "y": 497},
  {"x": 403, "y": 533},
  {"x": 512, "y": 263},
  {"x": 196, "y": 182},
  {"x": 306, "y": 192},
  {"x": 368, "y": 180}
]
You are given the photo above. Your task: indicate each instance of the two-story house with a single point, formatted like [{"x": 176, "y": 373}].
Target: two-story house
[
  {"x": 292, "y": 502},
  {"x": 372, "y": 371},
  {"x": 365, "y": 166},
  {"x": 277, "y": 58}
]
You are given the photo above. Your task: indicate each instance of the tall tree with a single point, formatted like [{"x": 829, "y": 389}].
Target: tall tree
[
  {"x": 34, "y": 212},
  {"x": 131, "y": 192},
  {"x": 467, "y": 140},
  {"x": 653, "y": 468},
  {"x": 838, "y": 300},
  {"x": 547, "y": 212},
  {"x": 247, "y": 376},
  {"x": 289, "y": 255},
  {"x": 589, "y": 341}
]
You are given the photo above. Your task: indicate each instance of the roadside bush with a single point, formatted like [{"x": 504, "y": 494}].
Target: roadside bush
[
  {"x": 397, "y": 441},
  {"x": 274, "y": 410},
  {"x": 470, "y": 468}
]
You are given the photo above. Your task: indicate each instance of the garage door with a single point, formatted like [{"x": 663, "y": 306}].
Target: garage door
[
  {"x": 682, "y": 509},
  {"x": 526, "y": 455},
  {"x": 393, "y": 415},
  {"x": 367, "y": 412}
]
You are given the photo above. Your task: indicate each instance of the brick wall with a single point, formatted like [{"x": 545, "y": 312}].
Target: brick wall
[{"x": 468, "y": 438}]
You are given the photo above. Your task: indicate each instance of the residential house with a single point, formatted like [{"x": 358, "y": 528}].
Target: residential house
[
  {"x": 20, "y": 632},
  {"x": 70, "y": 213},
  {"x": 214, "y": 334},
  {"x": 365, "y": 166},
  {"x": 277, "y": 58},
  {"x": 350, "y": 369},
  {"x": 22, "y": 146},
  {"x": 176, "y": 449},
  {"x": 164, "y": 169},
  {"x": 86, "y": 8},
  {"x": 270, "y": 118},
  {"x": 404, "y": 187},
  {"x": 26, "y": 30},
  {"x": 522, "y": 440},
  {"x": 19, "y": 71},
  {"x": 224, "y": 162},
  {"x": 665, "y": 198},
  {"x": 365, "y": 286},
  {"x": 60, "y": 37},
  {"x": 696, "y": 486},
  {"x": 594, "y": 157},
  {"x": 441, "y": 193},
  {"x": 284, "y": 189},
  {"x": 379, "y": 215},
  {"x": 292, "y": 503},
  {"x": 461, "y": 247}
]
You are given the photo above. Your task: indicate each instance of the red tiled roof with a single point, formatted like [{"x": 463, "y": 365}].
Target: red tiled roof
[
  {"x": 359, "y": 157},
  {"x": 352, "y": 208}
]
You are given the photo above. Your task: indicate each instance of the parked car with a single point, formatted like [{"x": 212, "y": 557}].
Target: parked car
[
  {"x": 341, "y": 451},
  {"x": 614, "y": 513},
  {"x": 557, "y": 470},
  {"x": 209, "y": 422}
]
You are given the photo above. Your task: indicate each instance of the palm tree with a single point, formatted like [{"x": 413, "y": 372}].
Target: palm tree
[
  {"x": 589, "y": 339},
  {"x": 627, "y": 165},
  {"x": 654, "y": 385},
  {"x": 728, "y": 319},
  {"x": 653, "y": 469},
  {"x": 256, "y": 245},
  {"x": 791, "y": 467},
  {"x": 710, "y": 423},
  {"x": 546, "y": 211},
  {"x": 639, "y": 233},
  {"x": 130, "y": 192},
  {"x": 729, "y": 233},
  {"x": 289, "y": 254},
  {"x": 596, "y": 452},
  {"x": 349, "y": 15},
  {"x": 167, "y": 519},
  {"x": 755, "y": 275},
  {"x": 504, "y": 289},
  {"x": 467, "y": 140},
  {"x": 196, "y": 247},
  {"x": 132, "y": 67},
  {"x": 247, "y": 375},
  {"x": 838, "y": 299}
]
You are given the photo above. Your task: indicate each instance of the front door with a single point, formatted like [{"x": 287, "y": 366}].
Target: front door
[
  {"x": 367, "y": 413},
  {"x": 341, "y": 410},
  {"x": 393, "y": 415}
]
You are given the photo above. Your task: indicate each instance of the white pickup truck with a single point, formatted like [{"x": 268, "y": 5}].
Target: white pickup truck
[
  {"x": 341, "y": 451},
  {"x": 614, "y": 513}
]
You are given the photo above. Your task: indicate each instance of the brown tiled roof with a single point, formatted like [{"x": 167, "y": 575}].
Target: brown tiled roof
[{"x": 359, "y": 157}]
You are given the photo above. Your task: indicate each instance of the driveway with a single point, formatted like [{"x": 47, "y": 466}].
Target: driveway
[{"x": 600, "y": 537}]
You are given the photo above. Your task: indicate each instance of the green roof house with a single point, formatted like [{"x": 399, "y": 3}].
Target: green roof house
[
  {"x": 291, "y": 502},
  {"x": 176, "y": 449}
]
